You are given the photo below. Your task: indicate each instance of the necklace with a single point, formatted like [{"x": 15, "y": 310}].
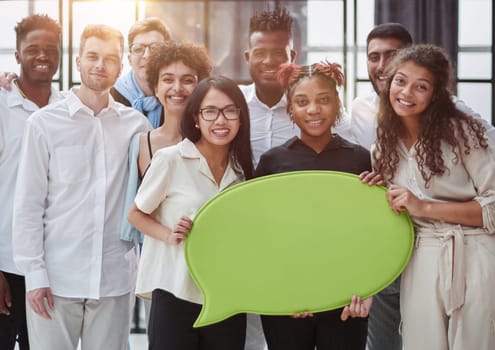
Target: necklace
[{"x": 20, "y": 90}]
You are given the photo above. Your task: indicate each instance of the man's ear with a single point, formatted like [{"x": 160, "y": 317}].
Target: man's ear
[
  {"x": 246, "y": 55},
  {"x": 78, "y": 63},
  {"x": 17, "y": 58},
  {"x": 293, "y": 55}
]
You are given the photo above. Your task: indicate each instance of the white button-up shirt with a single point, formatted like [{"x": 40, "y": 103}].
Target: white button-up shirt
[
  {"x": 69, "y": 200},
  {"x": 14, "y": 111},
  {"x": 364, "y": 123},
  {"x": 178, "y": 182},
  {"x": 270, "y": 127}
]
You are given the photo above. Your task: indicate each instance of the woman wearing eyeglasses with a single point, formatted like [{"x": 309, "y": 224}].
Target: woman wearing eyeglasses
[
  {"x": 215, "y": 154},
  {"x": 172, "y": 71}
]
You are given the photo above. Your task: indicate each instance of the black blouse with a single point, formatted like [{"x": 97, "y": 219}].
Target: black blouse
[{"x": 293, "y": 155}]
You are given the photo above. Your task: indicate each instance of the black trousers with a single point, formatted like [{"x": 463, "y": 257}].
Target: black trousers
[
  {"x": 13, "y": 327},
  {"x": 324, "y": 330},
  {"x": 170, "y": 327}
]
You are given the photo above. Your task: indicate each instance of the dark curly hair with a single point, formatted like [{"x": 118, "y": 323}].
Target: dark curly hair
[
  {"x": 192, "y": 55},
  {"x": 270, "y": 21},
  {"x": 441, "y": 122},
  {"x": 35, "y": 22}
]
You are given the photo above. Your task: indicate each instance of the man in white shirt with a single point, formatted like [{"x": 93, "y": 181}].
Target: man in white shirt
[
  {"x": 383, "y": 42},
  {"x": 68, "y": 206},
  {"x": 38, "y": 39},
  {"x": 270, "y": 45}
]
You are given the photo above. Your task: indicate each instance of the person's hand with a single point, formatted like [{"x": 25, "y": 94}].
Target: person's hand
[
  {"x": 5, "y": 297},
  {"x": 6, "y": 80},
  {"x": 303, "y": 314},
  {"x": 371, "y": 178},
  {"x": 357, "y": 308},
  {"x": 180, "y": 231},
  {"x": 36, "y": 299},
  {"x": 401, "y": 199}
]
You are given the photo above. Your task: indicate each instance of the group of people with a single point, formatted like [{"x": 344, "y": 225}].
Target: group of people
[{"x": 88, "y": 173}]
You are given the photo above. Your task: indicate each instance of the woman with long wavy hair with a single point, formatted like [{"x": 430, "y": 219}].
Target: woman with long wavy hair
[{"x": 440, "y": 167}]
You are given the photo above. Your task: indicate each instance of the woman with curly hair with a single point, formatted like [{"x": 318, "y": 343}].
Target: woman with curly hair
[
  {"x": 441, "y": 170},
  {"x": 314, "y": 105}
]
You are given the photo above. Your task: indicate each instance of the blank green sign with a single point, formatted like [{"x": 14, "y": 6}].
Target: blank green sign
[{"x": 292, "y": 242}]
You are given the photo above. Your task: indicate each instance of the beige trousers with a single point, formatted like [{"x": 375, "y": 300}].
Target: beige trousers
[
  {"x": 448, "y": 294},
  {"x": 99, "y": 324}
]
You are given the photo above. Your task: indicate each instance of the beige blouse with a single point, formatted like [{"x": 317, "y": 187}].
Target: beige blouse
[
  {"x": 468, "y": 177},
  {"x": 177, "y": 183}
]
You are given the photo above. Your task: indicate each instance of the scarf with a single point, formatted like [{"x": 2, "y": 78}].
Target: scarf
[{"x": 128, "y": 87}]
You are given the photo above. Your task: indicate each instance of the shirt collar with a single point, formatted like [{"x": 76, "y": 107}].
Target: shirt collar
[
  {"x": 336, "y": 143},
  {"x": 251, "y": 96},
  {"x": 75, "y": 105},
  {"x": 14, "y": 97},
  {"x": 187, "y": 149}
]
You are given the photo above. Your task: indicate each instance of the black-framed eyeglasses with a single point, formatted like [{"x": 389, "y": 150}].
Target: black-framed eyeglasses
[
  {"x": 140, "y": 49},
  {"x": 212, "y": 113}
]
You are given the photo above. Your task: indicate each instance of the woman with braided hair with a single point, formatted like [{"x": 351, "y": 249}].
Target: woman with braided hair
[
  {"x": 441, "y": 169},
  {"x": 314, "y": 106}
]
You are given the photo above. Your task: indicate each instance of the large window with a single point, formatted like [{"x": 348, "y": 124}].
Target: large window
[
  {"x": 334, "y": 30},
  {"x": 475, "y": 59}
]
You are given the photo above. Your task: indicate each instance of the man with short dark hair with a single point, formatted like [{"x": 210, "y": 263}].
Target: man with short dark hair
[
  {"x": 68, "y": 207},
  {"x": 270, "y": 44},
  {"x": 38, "y": 39}
]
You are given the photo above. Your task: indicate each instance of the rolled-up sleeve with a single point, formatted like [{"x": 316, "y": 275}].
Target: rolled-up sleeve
[
  {"x": 480, "y": 164},
  {"x": 29, "y": 208}
]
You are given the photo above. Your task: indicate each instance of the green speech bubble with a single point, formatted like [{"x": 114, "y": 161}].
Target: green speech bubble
[{"x": 292, "y": 242}]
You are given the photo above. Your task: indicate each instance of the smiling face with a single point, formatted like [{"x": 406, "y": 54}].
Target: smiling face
[
  {"x": 314, "y": 105},
  {"x": 222, "y": 131},
  {"x": 267, "y": 51},
  {"x": 99, "y": 63},
  {"x": 39, "y": 55},
  {"x": 411, "y": 91},
  {"x": 176, "y": 82},
  {"x": 380, "y": 53}
]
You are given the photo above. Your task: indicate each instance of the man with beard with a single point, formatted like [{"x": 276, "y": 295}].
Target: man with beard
[
  {"x": 68, "y": 207},
  {"x": 38, "y": 39},
  {"x": 382, "y": 43}
]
